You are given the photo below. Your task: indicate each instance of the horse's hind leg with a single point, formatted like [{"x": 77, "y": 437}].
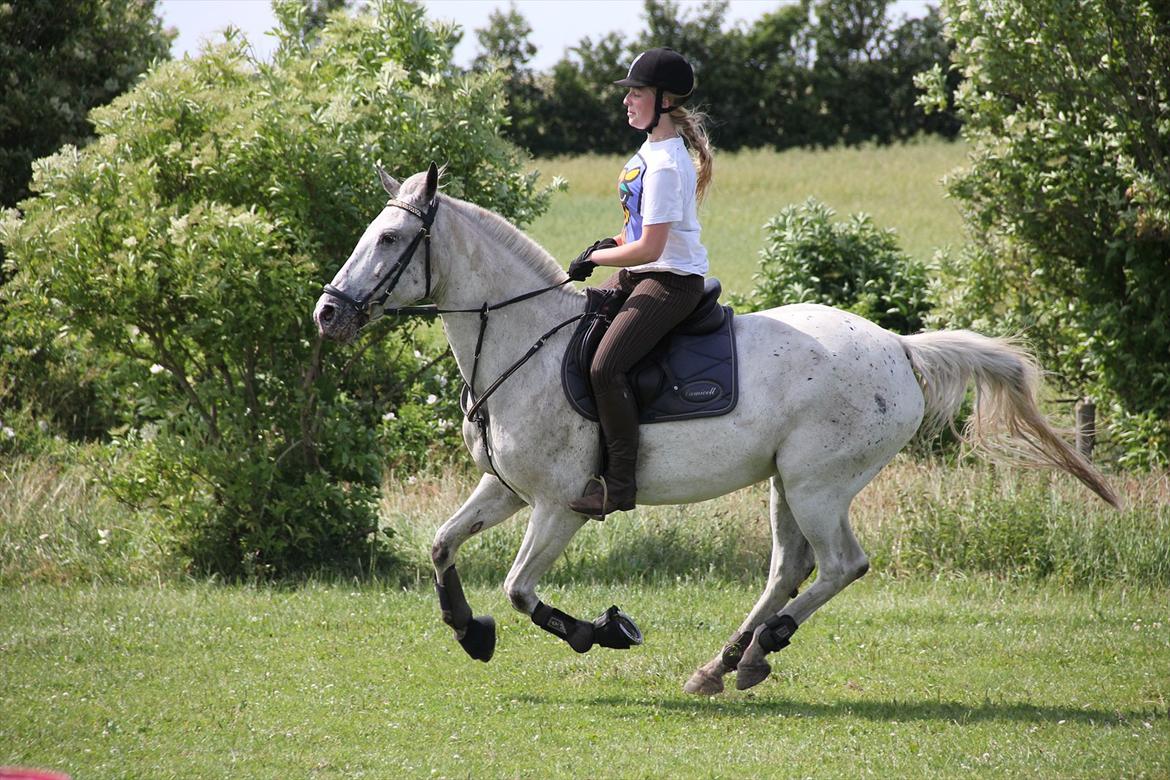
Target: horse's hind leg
[
  {"x": 821, "y": 510},
  {"x": 792, "y": 562},
  {"x": 490, "y": 504}
]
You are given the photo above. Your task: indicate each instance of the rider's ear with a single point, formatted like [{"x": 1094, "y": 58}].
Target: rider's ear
[
  {"x": 432, "y": 182},
  {"x": 388, "y": 183}
]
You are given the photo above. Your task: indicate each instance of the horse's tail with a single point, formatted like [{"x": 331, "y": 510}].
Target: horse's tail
[{"x": 1007, "y": 418}]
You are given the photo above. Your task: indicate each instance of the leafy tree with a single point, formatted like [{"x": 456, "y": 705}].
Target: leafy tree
[
  {"x": 915, "y": 47},
  {"x": 60, "y": 58},
  {"x": 186, "y": 246},
  {"x": 505, "y": 45},
  {"x": 1068, "y": 193},
  {"x": 583, "y": 105},
  {"x": 805, "y": 74},
  {"x": 864, "y": 73},
  {"x": 810, "y": 258},
  {"x": 316, "y": 15},
  {"x": 848, "y": 75},
  {"x": 777, "y": 60}
]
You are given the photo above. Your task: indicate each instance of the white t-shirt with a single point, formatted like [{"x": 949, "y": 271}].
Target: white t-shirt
[{"x": 658, "y": 186}]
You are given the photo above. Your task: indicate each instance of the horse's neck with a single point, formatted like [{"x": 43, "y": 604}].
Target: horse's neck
[{"x": 479, "y": 269}]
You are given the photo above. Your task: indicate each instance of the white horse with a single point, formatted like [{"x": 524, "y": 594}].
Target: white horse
[{"x": 826, "y": 400}]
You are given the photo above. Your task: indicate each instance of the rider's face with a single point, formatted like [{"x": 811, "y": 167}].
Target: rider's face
[{"x": 639, "y": 103}]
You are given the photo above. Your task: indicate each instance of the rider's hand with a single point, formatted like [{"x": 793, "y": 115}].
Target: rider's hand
[{"x": 582, "y": 267}]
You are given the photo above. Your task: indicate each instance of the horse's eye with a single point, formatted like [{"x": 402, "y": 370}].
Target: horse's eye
[{"x": 387, "y": 239}]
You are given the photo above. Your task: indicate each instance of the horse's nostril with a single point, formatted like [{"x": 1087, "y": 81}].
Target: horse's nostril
[{"x": 327, "y": 313}]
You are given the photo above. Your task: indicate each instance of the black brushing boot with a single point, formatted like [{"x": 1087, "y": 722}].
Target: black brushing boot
[{"x": 615, "y": 490}]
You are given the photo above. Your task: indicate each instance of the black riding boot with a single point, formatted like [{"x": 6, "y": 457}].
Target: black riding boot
[{"x": 614, "y": 491}]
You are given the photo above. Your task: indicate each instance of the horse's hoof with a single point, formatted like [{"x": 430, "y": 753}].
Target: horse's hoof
[
  {"x": 704, "y": 683},
  {"x": 752, "y": 673},
  {"x": 480, "y": 638},
  {"x": 617, "y": 630}
]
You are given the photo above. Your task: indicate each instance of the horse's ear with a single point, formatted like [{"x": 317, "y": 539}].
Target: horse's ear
[
  {"x": 432, "y": 182},
  {"x": 388, "y": 183}
]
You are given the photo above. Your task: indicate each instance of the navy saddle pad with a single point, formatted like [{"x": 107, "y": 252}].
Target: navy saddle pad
[{"x": 690, "y": 373}]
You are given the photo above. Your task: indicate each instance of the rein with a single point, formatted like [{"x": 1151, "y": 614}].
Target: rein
[{"x": 361, "y": 306}]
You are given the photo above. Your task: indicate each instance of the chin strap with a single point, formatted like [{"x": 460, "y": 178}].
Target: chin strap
[{"x": 659, "y": 110}]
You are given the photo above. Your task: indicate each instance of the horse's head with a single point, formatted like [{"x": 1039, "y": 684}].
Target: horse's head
[{"x": 383, "y": 268}]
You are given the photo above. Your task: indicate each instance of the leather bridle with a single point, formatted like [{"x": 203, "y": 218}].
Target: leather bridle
[
  {"x": 362, "y": 305},
  {"x": 473, "y": 406}
]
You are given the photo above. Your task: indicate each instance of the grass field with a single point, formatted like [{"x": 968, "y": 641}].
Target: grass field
[
  {"x": 899, "y": 186},
  {"x": 894, "y": 679}
]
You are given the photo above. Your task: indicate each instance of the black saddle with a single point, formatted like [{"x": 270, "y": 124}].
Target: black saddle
[{"x": 690, "y": 373}]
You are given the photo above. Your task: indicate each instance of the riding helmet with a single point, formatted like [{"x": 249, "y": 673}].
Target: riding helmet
[{"x": 662, "y": 68}]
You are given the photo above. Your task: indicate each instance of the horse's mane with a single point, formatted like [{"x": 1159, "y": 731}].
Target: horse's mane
[{"x": 513, "y": 239}]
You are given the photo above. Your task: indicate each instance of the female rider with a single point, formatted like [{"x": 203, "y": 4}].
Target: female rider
[{"x": 659, "y": 252}]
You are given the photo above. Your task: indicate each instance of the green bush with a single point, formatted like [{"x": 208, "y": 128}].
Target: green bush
[
  {"x": 1067, "y": 192},
  {"x": 184, "y": 248},
  {"x": 810, "y": 258}
]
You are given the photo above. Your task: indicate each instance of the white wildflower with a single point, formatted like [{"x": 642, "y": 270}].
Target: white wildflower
[
  {"x": 432, "y": 399},
  {"x": 103, "y": 536},
  {"x": 389, "y": 417},
  {"x": 8, "y": 432},
  {"x": 411, "y": 480},
  {"x": 157, "y": 369}
]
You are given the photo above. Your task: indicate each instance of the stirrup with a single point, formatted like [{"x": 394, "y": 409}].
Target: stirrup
[{"x": 599, "y": 479}]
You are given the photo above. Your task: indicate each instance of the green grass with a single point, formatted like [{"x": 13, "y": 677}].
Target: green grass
[
  {"x": 894, "y": 678},
  {"x": 899, "y": 186}
]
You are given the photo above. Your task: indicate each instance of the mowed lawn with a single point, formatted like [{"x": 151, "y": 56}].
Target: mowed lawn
[
  {"x": 896, "y": 678},
  {"x": 898, "y": 186}
]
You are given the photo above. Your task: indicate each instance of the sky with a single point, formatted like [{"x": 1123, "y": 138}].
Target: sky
[{"x": 556, "y": 24}]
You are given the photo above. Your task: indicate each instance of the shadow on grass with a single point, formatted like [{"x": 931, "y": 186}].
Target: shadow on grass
[{"x": 885, "y": 710}]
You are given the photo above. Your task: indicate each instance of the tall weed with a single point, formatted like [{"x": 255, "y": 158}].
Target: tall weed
[
  {"x": 918, "y": 518},
  {"x": 57, "y": 525}
]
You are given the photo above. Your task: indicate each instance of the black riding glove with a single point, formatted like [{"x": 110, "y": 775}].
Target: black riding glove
[{"x": 582, "y": 267}]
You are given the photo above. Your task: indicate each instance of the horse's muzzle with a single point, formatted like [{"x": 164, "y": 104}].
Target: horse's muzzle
[{"x": 336, "y": 320}]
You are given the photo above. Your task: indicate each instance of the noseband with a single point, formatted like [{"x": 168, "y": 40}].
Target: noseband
[{"x": 394, "y": 274}]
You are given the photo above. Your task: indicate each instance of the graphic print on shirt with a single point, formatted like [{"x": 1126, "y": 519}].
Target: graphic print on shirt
[{"x": 630, "y": 193}]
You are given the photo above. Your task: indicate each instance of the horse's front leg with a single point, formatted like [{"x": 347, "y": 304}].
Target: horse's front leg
[
  {"x": 490, "y": 504},
  {"x": 549, "y": 532}
]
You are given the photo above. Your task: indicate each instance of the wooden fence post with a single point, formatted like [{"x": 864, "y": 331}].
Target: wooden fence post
[{"x": 1086, "y": 416}]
